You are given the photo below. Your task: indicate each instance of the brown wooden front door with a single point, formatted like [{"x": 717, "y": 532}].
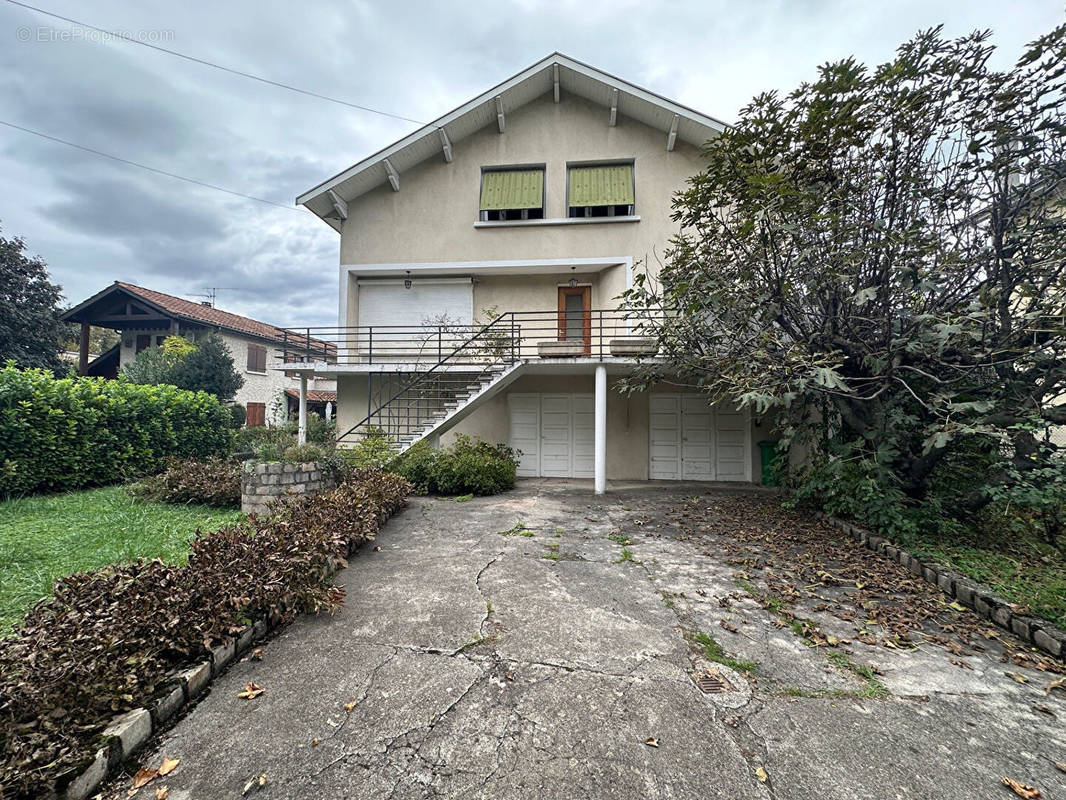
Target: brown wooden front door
[{"x": 575, "y": 315}]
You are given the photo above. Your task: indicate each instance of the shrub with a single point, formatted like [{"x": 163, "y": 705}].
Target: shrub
[
  {"x": 251, "y": 439},
  {"x": 475, "y": 466},
  {"x": 73, "y": 432},
  {"x": 299, "y": 453},
  {"x": 239, "y": 415},
  {"x": 213, "y": 482},
  {"x": 468, "y": 466},
  {"x": 416, "y": 464},
  {"x": 375, "y": 449},
  {"x": 319, "y": 430},
  {"x": 107, "y": 640}
]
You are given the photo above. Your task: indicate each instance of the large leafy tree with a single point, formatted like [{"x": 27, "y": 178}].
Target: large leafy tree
[
  {"x": 209, "y": 368},
  {"x": 206, "y": 366},
  {"x": 879, "y": 256},
  {"x": 30, "y": 330}
]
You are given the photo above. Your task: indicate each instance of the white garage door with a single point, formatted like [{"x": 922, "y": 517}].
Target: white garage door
[
  {"x": 693, "y": 441},
  {"x": 388, "y": 302},
  {"x": 555, "y": 432}
]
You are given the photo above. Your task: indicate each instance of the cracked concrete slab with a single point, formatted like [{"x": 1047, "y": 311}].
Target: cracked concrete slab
[{"x": 476, "y": 661}]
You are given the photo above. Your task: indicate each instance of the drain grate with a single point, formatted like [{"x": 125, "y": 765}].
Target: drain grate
[{"x": 712, "y": 682}]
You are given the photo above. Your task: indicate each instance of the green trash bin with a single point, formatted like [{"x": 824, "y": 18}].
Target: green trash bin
[{"x": 771, "y": 462}]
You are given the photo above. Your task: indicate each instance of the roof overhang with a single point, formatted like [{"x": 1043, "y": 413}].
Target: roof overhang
[
  {"x": 555, "y": 74},
  {"x": 93, "y": 311}
]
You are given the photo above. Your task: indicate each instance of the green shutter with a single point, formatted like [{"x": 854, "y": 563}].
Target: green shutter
[
  {"x": 601, "y": 186},
  {"x": 517, "y": 188}
]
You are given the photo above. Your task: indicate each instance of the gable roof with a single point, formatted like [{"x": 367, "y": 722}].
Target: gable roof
[
  {"x": 178, "y": 308},
  {"x": 556, "y": 73}
]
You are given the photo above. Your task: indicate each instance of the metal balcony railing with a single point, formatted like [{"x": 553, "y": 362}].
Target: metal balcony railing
[
  {"x": 438, "y": 367},
  {"x": 512, "y": 336}
]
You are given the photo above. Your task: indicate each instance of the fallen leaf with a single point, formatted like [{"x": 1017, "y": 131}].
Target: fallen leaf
[
  {"x": 1023, "y": 790},
  {"x": 1061, "y": 766},
  {"x": 315, "y": 742},
  {"x": 728, "y": 626},
  {"x": 349, "y": 706},
  {"x": 377, "y": 548},
  {"x": 1017, "y": 677},
  {"x": 257, "y": 654},
  {"x": 169, "y": 765},
  {"x": 162, "y": 793},
  {"x": 143, "y": 777},
  {"x": 1058, "y": 683},
  {"x": 957, "y": 606},
  {"x": 251, "y": 691},
  {"x": 760, "y": 773},
  {"x": 651, "y": 741}
]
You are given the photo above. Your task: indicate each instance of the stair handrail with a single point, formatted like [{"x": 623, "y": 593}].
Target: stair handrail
[{"x": 422, "y": 376}]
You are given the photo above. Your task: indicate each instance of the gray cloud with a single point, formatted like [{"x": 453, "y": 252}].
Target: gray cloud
[{"x": 95, "y": 221}]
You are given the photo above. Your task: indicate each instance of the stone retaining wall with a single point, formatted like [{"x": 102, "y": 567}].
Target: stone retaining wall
[
  {"x": 262, "y": 482},
  {"x": 1038, "y": 632}
]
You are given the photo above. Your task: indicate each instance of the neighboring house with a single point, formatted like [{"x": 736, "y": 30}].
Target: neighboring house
[
  {"x": 482, "y": 258},
  {"x": 144, "y": 318}
]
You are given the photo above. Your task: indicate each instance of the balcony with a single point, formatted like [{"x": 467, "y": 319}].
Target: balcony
[{"x": 512, "y": 337}]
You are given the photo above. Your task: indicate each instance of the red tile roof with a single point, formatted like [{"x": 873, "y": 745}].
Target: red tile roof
[
  {"x": 180, "y": 307},
  {"x": 314, "y": 395}
]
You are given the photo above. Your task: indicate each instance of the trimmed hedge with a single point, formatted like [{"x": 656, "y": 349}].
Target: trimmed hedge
[
  {"x": 68, "y": 433},
  {"x": 108, "y": 639}
]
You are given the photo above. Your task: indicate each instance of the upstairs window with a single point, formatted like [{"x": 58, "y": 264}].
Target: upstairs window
[
  {"x": 601, "y": 190},
  {"x": 257, "y": 358},
  {"x": 512, "y": 194}
]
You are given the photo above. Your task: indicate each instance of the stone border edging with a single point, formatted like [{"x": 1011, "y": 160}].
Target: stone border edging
[
  {"x": 129, "y": 731},
  {"x": 1035, "y": 631}
]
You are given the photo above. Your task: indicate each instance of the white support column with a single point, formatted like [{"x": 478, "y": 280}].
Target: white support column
[
  {"x": 601, "y": 429},
  {"x": 302, "y": 429}
]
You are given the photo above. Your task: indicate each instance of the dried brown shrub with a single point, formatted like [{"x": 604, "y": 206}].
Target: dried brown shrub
[{"x": 212, "y": 482}]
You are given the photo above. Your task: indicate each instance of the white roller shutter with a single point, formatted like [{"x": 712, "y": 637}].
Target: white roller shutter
[{"x": 387, "y": 302}]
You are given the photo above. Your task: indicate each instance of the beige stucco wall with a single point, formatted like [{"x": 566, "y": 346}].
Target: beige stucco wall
[
  {"x": 627, "y": 419},
  {"x": 432, "y": 218}
]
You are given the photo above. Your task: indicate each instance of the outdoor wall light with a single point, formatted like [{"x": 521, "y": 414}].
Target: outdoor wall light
[
  {"x": 407, "y": 283},
  {"x": 573, "y": 282}
]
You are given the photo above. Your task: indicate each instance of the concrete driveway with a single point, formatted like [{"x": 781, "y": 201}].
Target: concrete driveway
[{"x": 544, "y": 643}]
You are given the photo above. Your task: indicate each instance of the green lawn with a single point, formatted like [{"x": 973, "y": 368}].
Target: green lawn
[{"x": 48, "y": 536}]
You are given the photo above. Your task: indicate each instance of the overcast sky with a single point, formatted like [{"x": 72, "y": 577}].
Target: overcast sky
[{"x": 95, "y": 221}]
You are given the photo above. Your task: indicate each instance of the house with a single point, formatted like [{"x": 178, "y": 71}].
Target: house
[
  {"x": 144, "y": 318},
  {"x": 481, "y": 262}
]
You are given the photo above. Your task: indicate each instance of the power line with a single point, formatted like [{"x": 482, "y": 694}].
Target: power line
[
  {"x": 146, "y": 167},
  {"x": 127, "y": 38}
]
